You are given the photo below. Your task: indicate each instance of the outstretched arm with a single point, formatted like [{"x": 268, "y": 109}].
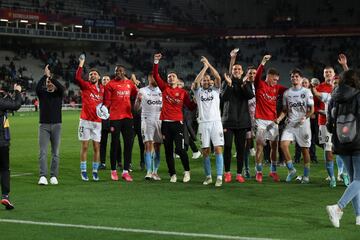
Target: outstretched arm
[
  {"x": 78, "y": 77},
  {"x": 213, "y": 72},
  {"x": 233, "y": 55},
  {"x": 200, "y": 75},
  {"x": 260, "y": 69},
  {"x": 162, "y": 85},
  {"x": 343, "y": 61}
]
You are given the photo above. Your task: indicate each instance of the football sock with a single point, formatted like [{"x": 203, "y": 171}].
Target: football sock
[
  {"x": 330, "y": 168},
  {"x": 148, "y": 161},
  {"x": 259, "y": 167},
  {"x": 207, "y": 166},
  {"x": 306, "y": 170},
  {"x": 156, "y": 161},
  {"x": 290, "y": 165},
  {"x": 83, "y": 166},
  {"x": 273, "y": 167},
  {"x": 95, "y": 166},
  {"x": 219, "y": 164}
]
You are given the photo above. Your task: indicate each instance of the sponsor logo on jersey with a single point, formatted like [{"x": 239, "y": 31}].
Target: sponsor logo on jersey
[
  {"x": 296, "y": 104},
  {"x": 123, "y": 93},
  {"x": 154, "y": 102},
  {"x": 206, "y": 99},
  {"x": 96, "y": 97},
  {"x": 173, "y": 100}
]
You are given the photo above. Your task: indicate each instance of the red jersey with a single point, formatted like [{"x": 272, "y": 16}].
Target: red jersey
[
  {"x": 325, "y": 88},
  {"x": 91, "y": 95},
  {"x": 266, "y": 97},
  {"x": 117, "y": 98},
  {"x": 173, "y": 99}
]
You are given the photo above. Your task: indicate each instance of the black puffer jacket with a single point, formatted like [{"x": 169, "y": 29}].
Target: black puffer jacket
[
  {"x": 235, "y": 110},
  {"x": 7, "y": 104},
  {"x": 343, "y": 94}
]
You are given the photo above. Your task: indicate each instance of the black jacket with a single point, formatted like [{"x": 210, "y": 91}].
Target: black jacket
[
  {"x": 50, "y": 102},
  {"x": 343, "y": 94},
  {"x": 235, "y": 107},
  {"x": 7, "y": 104}
]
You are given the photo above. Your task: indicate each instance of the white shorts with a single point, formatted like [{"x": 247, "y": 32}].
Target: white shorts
[
  {"x": 325, "y": 138},
  {"x": 89, "y": 130},
  {"x": 211, "y": 131},
  {"x": 266, "y": 130},
  {"x": 301, "y": 134},
  {"x": 151, "y": 131}
]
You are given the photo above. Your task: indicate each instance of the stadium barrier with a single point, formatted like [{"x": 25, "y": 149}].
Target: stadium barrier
[{"x": 31, "y": 107}]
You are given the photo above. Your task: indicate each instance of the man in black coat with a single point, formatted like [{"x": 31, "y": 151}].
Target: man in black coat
[{"x": 7, "y": 104}]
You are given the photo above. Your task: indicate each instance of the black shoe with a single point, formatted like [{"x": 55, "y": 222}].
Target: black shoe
[
  {"x": 102, "y": 166},
  {"x": 6, "y": 202}
]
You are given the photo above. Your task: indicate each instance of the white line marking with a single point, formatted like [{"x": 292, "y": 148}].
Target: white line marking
[
  {"x": 132, "y": 230},
  {"x": 21, "y": 174}
]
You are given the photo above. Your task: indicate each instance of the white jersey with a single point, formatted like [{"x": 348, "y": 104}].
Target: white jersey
[
  {"x": 325, "y": 98},
  {"x": 151, "y": 103},
  {"x": 297, "y": 102},
  {"x": 208, "y": 103}
]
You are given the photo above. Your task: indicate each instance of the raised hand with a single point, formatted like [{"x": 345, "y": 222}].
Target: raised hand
[
  {"x": 81, "y": 60},
  {"x": 204, "y": 61},
  {"x": 234, "y": 52},
  {"x": 157, "y": 57},
  {"x": 17, "y": 87},
  {"x": 342, "y": 59},
  {"x": 47, "y": 71},
  {"x": 265, "y": 59}
]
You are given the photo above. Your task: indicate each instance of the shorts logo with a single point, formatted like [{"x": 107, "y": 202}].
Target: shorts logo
[
  {"x": 112, "y": 129},
  {"x": 306, "y": 136},
  {"x": 221, "y": 134}
]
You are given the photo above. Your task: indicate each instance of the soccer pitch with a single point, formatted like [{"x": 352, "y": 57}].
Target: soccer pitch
[{"x": 158, "y": 210}]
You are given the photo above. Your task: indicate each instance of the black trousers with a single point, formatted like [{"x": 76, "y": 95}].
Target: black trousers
[
  {"x": 173, "y": 132},
  {"x": 103, "y": 145},
  {"x": 137, "y": 131},
  {"x": 240, "y": 140},
  {"x": 5, "y": 170},
  {"x": 126, "y": 128}
]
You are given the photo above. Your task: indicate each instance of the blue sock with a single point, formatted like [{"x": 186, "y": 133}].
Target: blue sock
[
  {"x": 207, "y": 166},
  {"x": 273, "y": 167},
  {"x": 290, "y": 165},
  {"x": 307, "y": 170},
  {"x": 148, "y": 161},
  {"x": 330, "y": 168},
  {"x": 219, "y": 164},
  {"x": 95, "y": 166},
  {"x": 83, "y": 166},
  {"x": 340, "y": 164},
  {"x": 259, "y": 167},
  {"x": 156, "y": 161}
]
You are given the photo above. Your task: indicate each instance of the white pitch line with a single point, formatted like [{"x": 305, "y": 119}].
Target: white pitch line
[
  {"x": 132, "y": 230},
  {"x": 21, "y": 174}
]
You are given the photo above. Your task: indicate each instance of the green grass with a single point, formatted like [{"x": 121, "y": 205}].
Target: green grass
[{"x": 268, "y": 210}]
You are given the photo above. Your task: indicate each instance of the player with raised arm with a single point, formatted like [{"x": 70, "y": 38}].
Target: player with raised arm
[
  {"x": 172, "y": 128},
  {"x": 235, "y": 117},
  {"x": 324, "y": 96},
  {"x": 92, "y": 93},
  {"x": 267, "y": 92},
  {"x": 210, "y": 126},
  {"x": 149, "y": 100},
  {"x": 298, "y": 105}
]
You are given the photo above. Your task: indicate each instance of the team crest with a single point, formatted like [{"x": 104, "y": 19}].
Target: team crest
[
  {"x": 306, "y": 136},
  {"x": 176, "y": 94},
  {"x": 302, "y": 95}
]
